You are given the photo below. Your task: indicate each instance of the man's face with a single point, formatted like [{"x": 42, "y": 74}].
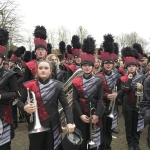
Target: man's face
[
  {"x": 40, "y": 53},
  {"x": 145, "y": 62},
  {"x": 11, "y": 63},
  {"x": 108, "y": 66},
  {"x": 132, "y": 69},
  {"x": 6, "y": 66},
  {"x": 77, "y": 60},
  {"x": 70, "y": 61},
  {"x": 141, "y": 62},
  {"x": 62, "y": 61}
]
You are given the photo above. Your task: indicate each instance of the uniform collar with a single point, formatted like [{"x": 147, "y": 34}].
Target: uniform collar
[
  {"x": 105, "y": 72},
  {"x": 43, "y": 82},
  {"x": 90, "y": 75}
]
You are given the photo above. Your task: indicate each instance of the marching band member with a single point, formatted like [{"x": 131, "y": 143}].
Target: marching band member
[
  {"x": 116, "y": 52},
  {"x": 139, "y": 50},
  {"x": 47, "y": 92},
  {"x": 69, "y": 55},
  {"x": 115, "y": 70},
  {"x": 145, "y": 106},
  {"x": 62, "y": 65},
  {"x": 8, "y": 92},
  {"x": 88, "y": 89},
  {"x": 131, "y": 83},
  {"x": 97, "y": 66},
  {"x": 62, "y": 47},
  {"x": 40, "y": 52},
  {"x": 14, "y": 66},
  {"x": 76, "y": 52},
  {"x": 6, "y": 65},
  {"x": 110, "y": 81},
  {"x": 60, "y": 75}
]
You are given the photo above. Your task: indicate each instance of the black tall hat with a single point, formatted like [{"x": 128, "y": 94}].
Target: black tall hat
[
  {"x": 108, "y": 46},
  {"x": 15, "y": 56},
  {"x": 145, "y": 55},
  {"x": 22, "y": 49},
  {"x": 26, "y": 58},
  {"x": 99, "y": 53},
  {"x": 88, "y": 49},
  {"x": 33, "y": 56},
  {"x": 130, "y": 56},
  {"x": 69, "y": 51},
  {"x": 40, "y": 35},
  {"x": 139, "y": 49},
  {"x": 116, "y": 51},
  {"x": 49, "y": 48},
  {"x": 4, "y": 36},
  {"x": 10, "y": 52},
  {"x": 76, "y": 45},
  {"x": 62, "y": 48}
]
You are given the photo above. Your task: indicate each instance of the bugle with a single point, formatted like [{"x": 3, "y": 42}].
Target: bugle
[
  {"x": 112, "y": 104},
  {"x": 37, "y": 125},
  {"x": 91, "y": 142}
]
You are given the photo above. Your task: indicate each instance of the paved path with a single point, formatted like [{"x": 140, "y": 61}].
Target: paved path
[{"x": 20, "y": 142}]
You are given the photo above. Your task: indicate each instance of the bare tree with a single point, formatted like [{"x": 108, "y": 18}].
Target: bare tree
[
  {"x": 82, "y": 33},
  {"x": 10, "y": 20},
  {"x": 63, "y": 35},
  {"x": 129, "y": 39},
  {"x": 28, "y": 40},
  {"x": 51, "y": 35}
]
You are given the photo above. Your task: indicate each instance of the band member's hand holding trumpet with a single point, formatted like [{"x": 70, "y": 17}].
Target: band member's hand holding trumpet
[
  {"x": 112, "y": 97},
  {"x": 30, "y": 108},
  {"x": 139, "y": 86},
  {"x": 86, "y": 119}
]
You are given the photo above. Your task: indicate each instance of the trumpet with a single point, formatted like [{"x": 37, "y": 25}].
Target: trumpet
[
  {"x": 91, "y": 142},
  {"x": 112, "y": 104},
  {"x": 139, "y": 94},
  {"x": 29, "y": 100},
  {"x": 37, "y": 125}
]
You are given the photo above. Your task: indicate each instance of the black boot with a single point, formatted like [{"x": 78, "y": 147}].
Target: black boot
[
  {"x": 131, "y": 148},
  {"x": 137, "y": 147}
]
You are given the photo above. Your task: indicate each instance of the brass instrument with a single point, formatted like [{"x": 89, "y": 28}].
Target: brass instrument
[
  {"x": 29, "y": 100},
  {"x": 91, "y": 142},
  {"x": 139, "y": 94},
  {"x": 112, "y": 103},
  {"x": 37, "y": 125},
  {"x": 68, "y": 92}
]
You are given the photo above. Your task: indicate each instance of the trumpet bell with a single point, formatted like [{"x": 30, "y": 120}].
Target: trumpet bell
[
  {"x": 38, "y": 129},
  {"x": 111, "y": 116}
]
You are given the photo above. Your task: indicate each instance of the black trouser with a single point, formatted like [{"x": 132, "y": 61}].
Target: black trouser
[
  {"x": 148, "y": 137},
  {"x": 84, "y": 128},
  {"x": 41, "y": 141},
  {"x": 6, "y": 146},
  {"x": 106, "y": 133},
  {"x": 131, "y": 121},
  {"x": 14, "y": 114}
]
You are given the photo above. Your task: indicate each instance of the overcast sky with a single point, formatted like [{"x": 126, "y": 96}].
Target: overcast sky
[{"x": 99, "y": 17}]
